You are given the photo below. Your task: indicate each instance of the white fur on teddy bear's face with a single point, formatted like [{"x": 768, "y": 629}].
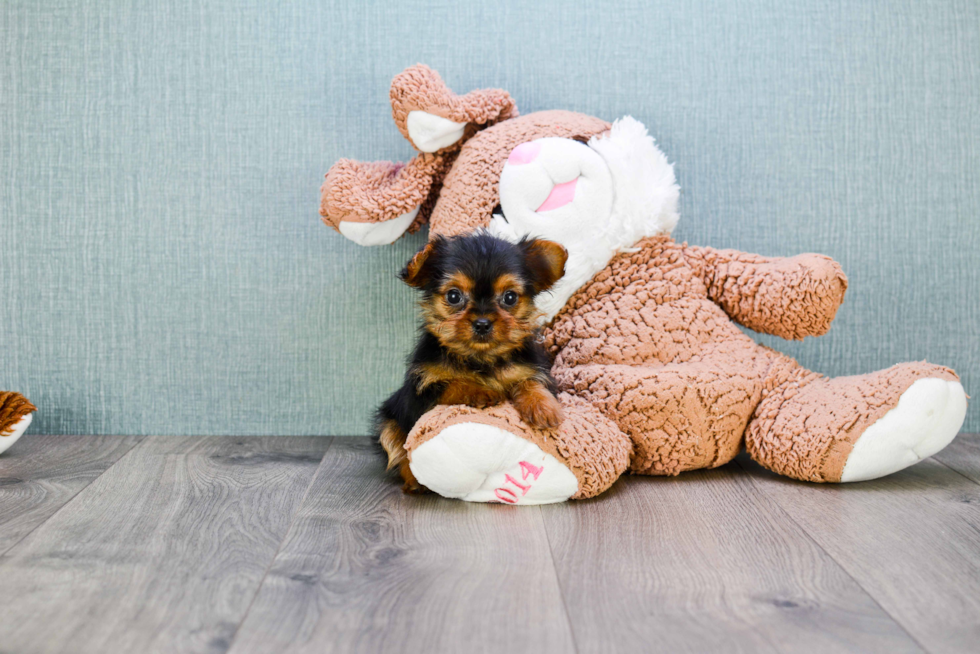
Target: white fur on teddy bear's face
[{"x": 596, "y": 199}]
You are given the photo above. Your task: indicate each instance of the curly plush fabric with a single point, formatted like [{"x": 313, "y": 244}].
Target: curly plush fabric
[
  {"x": 789, "y": 297},
  {"x": 645, "y": 344},
  {"x": 655, "y": 375},
  {"x": 649, "y": 343}
]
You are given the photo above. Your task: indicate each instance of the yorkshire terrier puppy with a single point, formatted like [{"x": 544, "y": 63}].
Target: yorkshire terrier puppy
[{"x": 478, "y": 344}]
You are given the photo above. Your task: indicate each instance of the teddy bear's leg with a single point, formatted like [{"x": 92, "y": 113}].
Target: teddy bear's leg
[
  {"x": 680, "y": 417},
  {"x": 854, "y": 428},
  {"x": 490, "y": 455}
]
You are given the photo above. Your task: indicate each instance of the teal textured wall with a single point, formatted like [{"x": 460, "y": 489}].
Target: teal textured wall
[{"x": 163, "y": 265}]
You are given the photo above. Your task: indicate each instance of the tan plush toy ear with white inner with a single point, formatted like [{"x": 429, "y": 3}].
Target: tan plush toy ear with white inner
[
  {"x": 654, "y": 373},
  {"x": 433, "y": 118}
]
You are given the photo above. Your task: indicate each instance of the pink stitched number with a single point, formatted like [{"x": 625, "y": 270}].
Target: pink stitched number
[
  {"x": 524, "y": 488},
  {"x": 528, "y": 469}
]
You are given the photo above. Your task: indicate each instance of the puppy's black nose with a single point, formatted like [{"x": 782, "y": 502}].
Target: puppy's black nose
[{"x": 482, "y": 326}]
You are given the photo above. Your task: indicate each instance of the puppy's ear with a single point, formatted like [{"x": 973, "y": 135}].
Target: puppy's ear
[
  {"x": 545, "y": 261},
  {"x": 418, "y": 272}
]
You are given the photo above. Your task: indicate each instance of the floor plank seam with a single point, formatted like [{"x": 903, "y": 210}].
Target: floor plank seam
[
  {"x": 140, "y": 441},
  {"x": 561, "y": 590},
  {"x": 946, "y": 465},
  {"x": 839, "y": 564},
  {"x": 285, "y": 537}
]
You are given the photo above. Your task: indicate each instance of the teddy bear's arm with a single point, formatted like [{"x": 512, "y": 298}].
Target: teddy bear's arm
[
  {"x": 380, "y": 191},
  {"x": 789, "y": 297}
]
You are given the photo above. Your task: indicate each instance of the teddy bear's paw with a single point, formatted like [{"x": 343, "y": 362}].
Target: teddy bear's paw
[
  {"x": 384, "y": 233},
  {"x": 483, "y": 463},
  {"x": 16, "y": 431},
  {"x": 928, "y": 416}
]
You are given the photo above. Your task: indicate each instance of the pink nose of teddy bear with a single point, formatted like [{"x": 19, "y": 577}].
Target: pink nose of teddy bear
[{"x": 524, "y": 153}]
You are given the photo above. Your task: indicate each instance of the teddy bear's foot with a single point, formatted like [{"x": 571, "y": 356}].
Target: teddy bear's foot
[
  {"x": 927, "y": 418},
  {"x": 491, "y": 455},
  {"x": 823, "y": 429},
  {"x": 484, "y": 463},
  {"x": 15, "y": 431}
]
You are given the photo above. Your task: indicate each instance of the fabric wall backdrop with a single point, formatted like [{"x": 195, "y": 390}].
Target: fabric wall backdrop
[{"x": 163, "y": 265}]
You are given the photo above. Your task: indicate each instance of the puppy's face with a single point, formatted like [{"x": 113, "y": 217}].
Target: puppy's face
[
  {"x": 479, "y": 290},
  {"x": 489, "y": 314}
]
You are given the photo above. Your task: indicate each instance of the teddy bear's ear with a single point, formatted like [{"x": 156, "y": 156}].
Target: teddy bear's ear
[
  {"x": 545, "y": 261},
  {"x": 433, "y": 118}
]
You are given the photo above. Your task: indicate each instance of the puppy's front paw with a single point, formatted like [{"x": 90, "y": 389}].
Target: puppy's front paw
[
  {"x": 415, "y": 488},
  {"x": 539, "y": 408},
  {"x": 411, "y": 485},
  {"x": 482, "y": 399},
  {"x": 460, "y": 392}
]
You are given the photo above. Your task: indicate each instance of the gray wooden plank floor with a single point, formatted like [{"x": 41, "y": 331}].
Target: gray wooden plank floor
[
  {"x": 194, "y": 544},
  {"x": 705, "y": 563},
  {"x": 162, "y": 553},
  {"x": 911, "y": 540},
  {"x": 367, "y": 568},
  {"x": 963, "y": 456},
  {"x": 42, "y": 473}
]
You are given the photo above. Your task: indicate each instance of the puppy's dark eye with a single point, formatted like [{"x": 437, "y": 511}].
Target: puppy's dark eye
[
  {"x": 510, "y": 299},
  {"x": 454, "y": 297}
]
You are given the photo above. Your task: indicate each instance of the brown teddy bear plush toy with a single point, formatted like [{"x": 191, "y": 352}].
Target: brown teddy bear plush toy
[{"x": 655, "y": 376}]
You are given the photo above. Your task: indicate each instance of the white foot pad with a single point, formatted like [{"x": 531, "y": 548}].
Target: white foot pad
[
  {"x": 385, "y": 233},
  {"x": 430, "y": 132},
  {"x": 928, "y": 416},
  {"x": 18, "y": 431},
  {"x": 481, "y": 463}
]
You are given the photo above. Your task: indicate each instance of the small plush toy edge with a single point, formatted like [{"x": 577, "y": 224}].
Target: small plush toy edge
[{"x": 16, "y": 414}]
